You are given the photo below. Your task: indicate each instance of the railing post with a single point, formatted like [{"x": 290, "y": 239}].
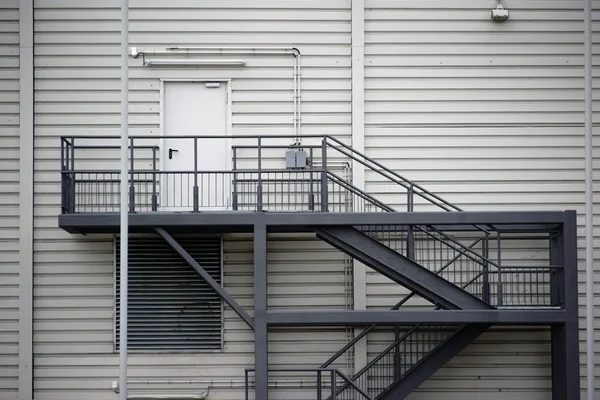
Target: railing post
[
  {"x": 234, "y": 202},
  {"x": 499, "y": 250},
  {"x": 486, "y": 269},
  {"x": 72, "y": 153},
  {"x": 196, "y": 191},
  {"x": 73, "y": 182},
  {"x": 397, "y": 358},
  {"x": 63, "y": 189},
  {"x": 311, "y": 194},
  {"x": 333, "y": 385},
  {"x": 259, "y": 189},
  {"x": 324, "y": 194},
  {"x": 410, "y": 239},
  {"x": 319, "y": 387},
  {"x": 246, "y": 384},
  {"x": 154, "y": 194},
  {"x": 131, "y": 184}
]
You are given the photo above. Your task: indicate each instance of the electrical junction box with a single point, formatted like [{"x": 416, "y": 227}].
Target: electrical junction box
[{"x": 295, "y": 159}]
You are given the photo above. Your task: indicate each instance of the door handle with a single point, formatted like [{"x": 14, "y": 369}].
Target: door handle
[{"x": 171, "y": 153}]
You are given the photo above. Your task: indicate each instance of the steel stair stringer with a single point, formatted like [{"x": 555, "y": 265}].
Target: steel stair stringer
[
  {"x": 435, "y": 360},
  {"x": 398, "y": 268}
]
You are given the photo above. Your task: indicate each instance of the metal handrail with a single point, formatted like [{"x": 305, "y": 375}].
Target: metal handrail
[
  {"x": 353, "y": 189},
  {"x": 462, "y": 252},
  {"x": 402, "y": 181},
  {"x": 340, "y": 352},
  {"x": 399, "y": 340},
  {"x": 319, "y": 372},
  {"x": 390, "y": 348},
  {"x": 228, "y": 171}
]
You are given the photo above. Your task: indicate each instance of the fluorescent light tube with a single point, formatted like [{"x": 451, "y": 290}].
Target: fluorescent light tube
[{"x": 195, "y": 62}]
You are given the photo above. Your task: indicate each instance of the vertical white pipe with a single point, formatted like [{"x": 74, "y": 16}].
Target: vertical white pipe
[
  {"x": 589, "y": 202},
  {"x": 358, "y": 170},
  {"x": 299, "y": 94},
  {"x": 295, "y": 94},
  {"x": 124, "y": 198}
]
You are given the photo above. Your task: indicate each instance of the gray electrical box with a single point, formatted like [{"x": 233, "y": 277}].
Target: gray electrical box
[{"x": 295, "y": 159}]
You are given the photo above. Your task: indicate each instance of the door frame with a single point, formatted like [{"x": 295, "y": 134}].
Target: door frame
[
  {"x": 228, "y": 122},
  {"x": 228, "y": 116}
]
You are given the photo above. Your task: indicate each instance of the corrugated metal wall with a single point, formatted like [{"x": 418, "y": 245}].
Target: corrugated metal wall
[
  {"x": 487, "y": 115},
  {"x": 490, "y": 117},
  {"x": 9, "y": 198},
  {"x": 77, "y": 93}
]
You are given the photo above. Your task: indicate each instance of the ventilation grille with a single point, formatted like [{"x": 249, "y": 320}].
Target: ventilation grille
[{"x": 170, "y": 306}]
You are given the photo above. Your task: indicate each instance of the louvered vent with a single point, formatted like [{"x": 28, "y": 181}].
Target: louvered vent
[{"x": 170, "y": 306}]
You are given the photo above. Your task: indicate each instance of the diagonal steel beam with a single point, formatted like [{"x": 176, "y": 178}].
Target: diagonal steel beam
[
  {"x": 400, "y": 269},
  {"x": 433, "y": 362},
  {"x": 205, "y": 275}
]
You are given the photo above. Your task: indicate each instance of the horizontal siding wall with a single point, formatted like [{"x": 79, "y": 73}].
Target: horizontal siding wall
[
  {"x": 501, "y": 364},
  {"x": 74, "y": 320},
  {"x": 490, "y": 117},
  {"x": 77, "y": 93},
  {"x": 9, "y": 198}
]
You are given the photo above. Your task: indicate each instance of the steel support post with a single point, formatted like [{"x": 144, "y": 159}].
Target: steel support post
[
  {"x": 261, "y": 349},
  {"x": 565, "y": 337},
  {"x": 557, "y": 276}
]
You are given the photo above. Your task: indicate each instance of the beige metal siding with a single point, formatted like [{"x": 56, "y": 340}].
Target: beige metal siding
[
  {"x": 77, "y": 93},
  {"x": 490, "y": 117},
  {"x": 9, "y": 198}
]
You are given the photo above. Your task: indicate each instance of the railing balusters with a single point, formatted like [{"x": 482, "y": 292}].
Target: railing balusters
[{"x": 324, "y": 189}]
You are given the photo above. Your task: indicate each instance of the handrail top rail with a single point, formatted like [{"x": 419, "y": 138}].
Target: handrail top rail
[
  {"x": 191, "y": 171},
  {"x": 238, "y": 136}
]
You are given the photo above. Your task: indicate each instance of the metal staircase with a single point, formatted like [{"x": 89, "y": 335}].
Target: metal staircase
[
  {"x": 431, "y": 264},
  {"x": 445, "y": 256}
]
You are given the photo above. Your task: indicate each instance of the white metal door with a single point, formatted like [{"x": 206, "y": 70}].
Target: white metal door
[{"x": 194, "y": 111}]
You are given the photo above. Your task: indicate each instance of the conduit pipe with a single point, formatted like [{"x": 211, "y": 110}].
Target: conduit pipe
[
  {"x": 247, "y": 50},
  {"x": 589, "y": 202},
  {"x": 124, "y": 210},
  {"x": 226, "y": 384}
]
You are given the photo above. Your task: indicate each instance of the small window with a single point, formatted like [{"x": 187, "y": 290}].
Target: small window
[{"x": 171, "y": 308}]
